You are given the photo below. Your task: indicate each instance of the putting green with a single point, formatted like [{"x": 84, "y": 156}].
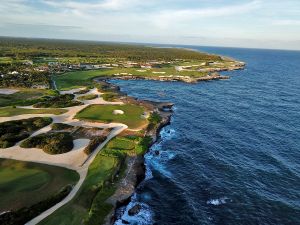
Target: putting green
[{"x": 132, "y": 116}]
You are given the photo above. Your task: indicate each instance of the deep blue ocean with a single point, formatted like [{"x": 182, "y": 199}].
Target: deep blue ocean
[{"x": 231, "y": 155}]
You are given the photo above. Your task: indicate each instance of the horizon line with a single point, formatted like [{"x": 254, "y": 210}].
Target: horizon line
[{"x": 149, "y": 43}]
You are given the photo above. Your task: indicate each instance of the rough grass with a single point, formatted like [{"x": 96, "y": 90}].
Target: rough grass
[
  {"x": 10, "y": 111},
  {"x": 87, "y": 97},
  {"x": 132, "y": 116},
  {"x": 25, "y": 183},
  {"x": 25, "y": 96}
]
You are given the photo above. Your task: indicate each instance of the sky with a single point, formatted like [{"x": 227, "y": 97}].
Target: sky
[{"x": 271, "y": 24}]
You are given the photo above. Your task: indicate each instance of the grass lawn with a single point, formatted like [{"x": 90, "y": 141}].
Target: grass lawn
[
  {"x": 25, "y": 96},
  {"x": 76, "y": 211},
  {"x": 120, "y": 143},
  {"x": 25, "y": 183},
  {"x": 76, "y": 79},
  {"x": 132, "y": 116},
  {"x": 9, "y": 111}
]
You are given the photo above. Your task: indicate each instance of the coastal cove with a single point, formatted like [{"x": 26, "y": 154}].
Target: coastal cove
[{"x": 230, "y": 154}]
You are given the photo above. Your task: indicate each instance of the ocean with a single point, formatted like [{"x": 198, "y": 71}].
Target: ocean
[{"x": 231, "y": 155}]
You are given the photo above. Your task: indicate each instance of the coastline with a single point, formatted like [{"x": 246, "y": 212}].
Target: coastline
[{"x": 135, "y": 171}]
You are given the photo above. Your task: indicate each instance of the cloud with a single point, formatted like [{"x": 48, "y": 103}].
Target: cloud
[
  {"x": 286, "y": 22},
  {"x": 92, "y": 6},
  {"x": 43, "y": 26},
  {"x": 165, "y": 18}
]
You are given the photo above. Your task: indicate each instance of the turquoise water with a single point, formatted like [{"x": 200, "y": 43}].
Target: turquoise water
[{"x": 232, "y": 152}]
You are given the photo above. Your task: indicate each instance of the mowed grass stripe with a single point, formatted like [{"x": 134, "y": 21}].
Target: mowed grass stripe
[{"x": 23, "y": 184}]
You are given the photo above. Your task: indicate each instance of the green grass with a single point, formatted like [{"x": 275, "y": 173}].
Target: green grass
[
  {"x": 79, "y": 79},
  {"x": 25, "y": 183},
  {"x": 122, "y": 143},
  {"x": 9, "y": 111},
  {"x": 25, "y": 96},
  {"x": 87, "y": 97},
  {"x": 76, "y": 79},
  {"x": 89, "y": 206},
  {"x": 101, "y": 170},
  {"x": 104, "y": 113},
  {"x": 5, "y": 60}
]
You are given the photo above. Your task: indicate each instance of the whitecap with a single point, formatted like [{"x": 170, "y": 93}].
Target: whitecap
[
  {"x": 167, "y": 133},
  {"x": 144, "y": 217},
  {"x": 217, "y": 201}
]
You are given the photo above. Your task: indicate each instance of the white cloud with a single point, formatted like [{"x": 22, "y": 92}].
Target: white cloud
[
  {"x": 164, "y": 18},
  {"x": 92, "y": 6},
  {"x": 286, "y": 22}
]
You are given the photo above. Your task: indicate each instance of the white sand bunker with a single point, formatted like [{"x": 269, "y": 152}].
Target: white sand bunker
[
  {"x": 5, "y": 91},
  {"x": 118, "y": 112}
]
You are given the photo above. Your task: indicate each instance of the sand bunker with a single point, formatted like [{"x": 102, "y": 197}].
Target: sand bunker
[
  {"x": 118, "y": 112},
  {"x": 5, "y": 91}
]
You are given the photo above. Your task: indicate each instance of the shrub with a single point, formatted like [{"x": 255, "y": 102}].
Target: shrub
[
  {"x": 94, "y": 143},
  {"x": 88, "y": 97},
  {"x": 109, "y": 96},
  {"x": 60, "y": 101},
  {"x": 12, "y": 132},
  {"x": 51, "y": 143},
  {"x": 154, "y": 118},
  {"x": 81, "y": 92},
  {"x": 61, "y": 126}
]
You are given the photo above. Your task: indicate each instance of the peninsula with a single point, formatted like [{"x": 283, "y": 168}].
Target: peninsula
[{"x": 72, "y": 144}]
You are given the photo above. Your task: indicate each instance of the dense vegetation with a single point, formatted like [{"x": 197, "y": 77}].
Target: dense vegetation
[
  {"x": 61, "y": 126},
  {"x": 154, "y": 120},
  {"x": 94, "y": 143},
  {"x": 51, "y": 143},
  {"x": 60, "y": 101},
  {"x": 20, "y": 48},
  {"x": 14, "y": 131},
  {"x": 24, "y": 80}
]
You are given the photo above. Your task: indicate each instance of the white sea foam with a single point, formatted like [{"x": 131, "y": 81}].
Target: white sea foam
[
  {"x": 167, "y": 133},
  {"x": 156, "y": 162},
  {"x": 218, "y": 201},
  {"x": 144, "y": 217}
]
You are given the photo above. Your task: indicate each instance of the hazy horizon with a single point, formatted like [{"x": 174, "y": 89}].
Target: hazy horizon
[{"x": 233, "y": 23}]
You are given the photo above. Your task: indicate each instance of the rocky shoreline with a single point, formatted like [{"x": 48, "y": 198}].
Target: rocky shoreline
[
  {"x": 174, "y": 78},
  {"x": 135, "y": 172}
]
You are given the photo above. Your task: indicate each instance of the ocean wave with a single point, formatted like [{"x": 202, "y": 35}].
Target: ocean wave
[
  {"x": 143, "y": 217},
  {"x": 218, "y": 201},
  {"x": 167, "y": 133}
]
